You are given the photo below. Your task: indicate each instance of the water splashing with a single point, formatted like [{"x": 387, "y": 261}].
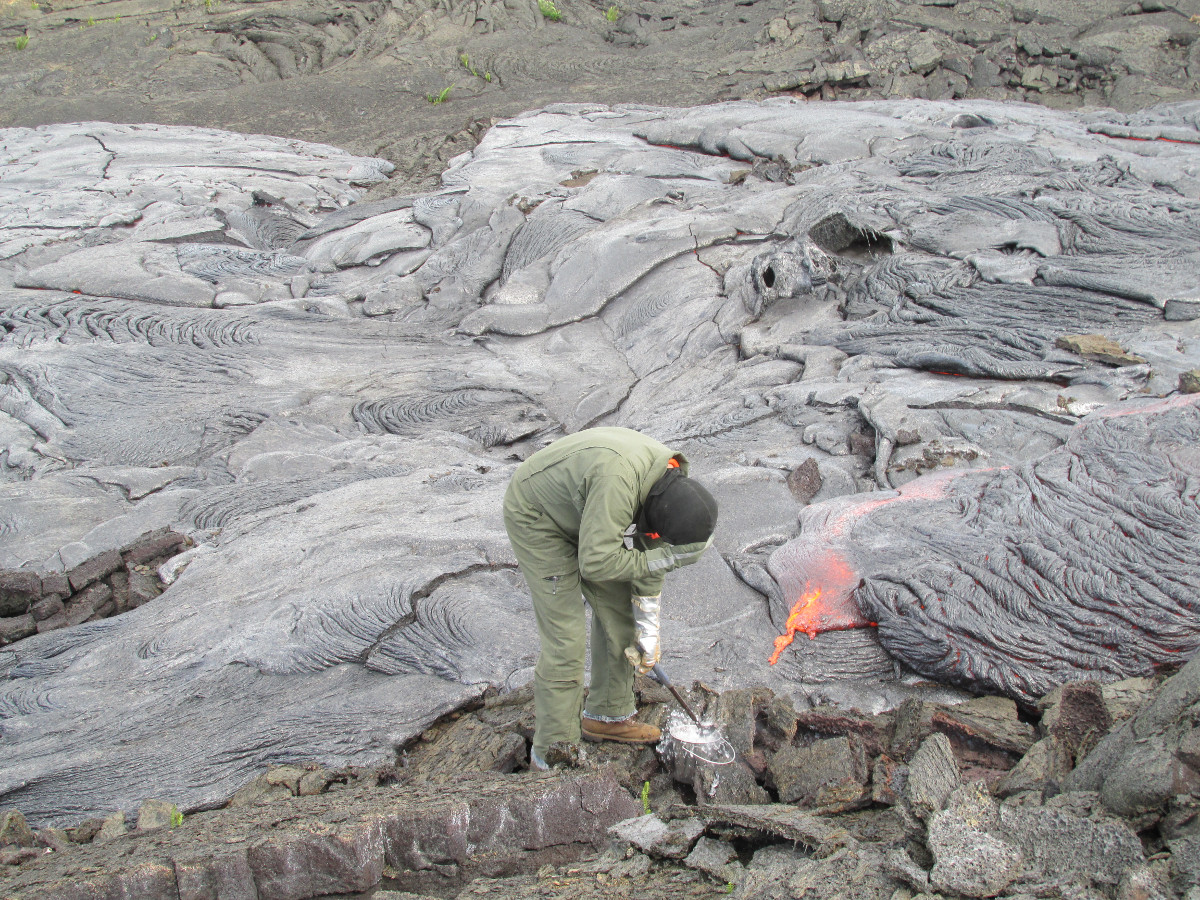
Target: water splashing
[{"x": 705, "y": 742}]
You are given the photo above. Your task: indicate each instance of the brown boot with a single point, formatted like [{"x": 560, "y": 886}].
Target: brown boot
[{"x": 627, "y": 731}]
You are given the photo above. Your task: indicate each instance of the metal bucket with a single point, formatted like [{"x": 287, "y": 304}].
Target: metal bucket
[{"x": 687, "y": 748}]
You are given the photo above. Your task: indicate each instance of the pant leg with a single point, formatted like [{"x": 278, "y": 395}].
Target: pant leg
[
  {"x": 550, "y": 565},
  {"x": 610, "y": 694}
]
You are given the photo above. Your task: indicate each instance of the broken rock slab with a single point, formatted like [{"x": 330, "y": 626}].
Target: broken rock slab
[
  {"x": 155, "y": 814},
  {"x": 1182, "y": 310},
  {"x": 339, "y": 842},
  {"x": 932, "y": 777},
  {"x": 1077, "y": 715},
  {"x": 828, "y": 775},
  {"x": 970, "y": 856},
  {"x": 1139, "y": 767},
  {"x": 715, "y": 858},
  {"x": 1098, "y": 348},
  {"x": 859, "y": 871},
  {"x": 1042, "y": 769},
  {"x": 1070, "y": 838},
  {"x": 993, "y": 721},
  {"x": 987, "y": 735},
  {"x": 1124, "y": 698},
  {"x": 665, "y": 840},
  {"x": 780, "y": 819},
  {"x": 15, "y": 831},
  {"x": 872, "y": 732},
  {"x": 467, "y": 745}
]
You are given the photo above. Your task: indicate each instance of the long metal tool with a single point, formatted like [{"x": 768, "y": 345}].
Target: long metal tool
[
  {"x": 661, "y": 677},
  {"x": 706, "y": 742}
]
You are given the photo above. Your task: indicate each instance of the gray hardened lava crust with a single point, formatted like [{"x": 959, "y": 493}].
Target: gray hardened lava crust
[{"x": 932, "y": 358}]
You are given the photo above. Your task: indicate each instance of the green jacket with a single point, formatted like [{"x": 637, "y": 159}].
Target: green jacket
[{"x": 592, "y": 485}]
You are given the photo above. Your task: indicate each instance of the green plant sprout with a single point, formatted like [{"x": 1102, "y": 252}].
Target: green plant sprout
[
  {"x": 440, "y": 98},
  {"x": 91, "y": 20},
  {"x": 176, "y": 818},
  {"x": 613, "y": 13},
  {"x": 549, "y": 10},
  {"x": 646, "y": 798},
  {"x": 21, "y": 42},
  {"x": 466, "y": 64}
]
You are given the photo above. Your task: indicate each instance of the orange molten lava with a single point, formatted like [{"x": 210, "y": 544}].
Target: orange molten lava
[{"x": 796, "y": 622}]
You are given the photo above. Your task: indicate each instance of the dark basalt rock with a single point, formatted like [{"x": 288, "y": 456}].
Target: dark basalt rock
[
  {"x": 340, "y": 842},
  {"x": 1141, "y": 766},
  {"x": 109, "y": 583},
  {"x": 1077, "y": 716},
  {"x": 987, "y": 735},
  {"x": 873, "y": 733},
  {"x": 780, "y": 819},
  {"x": 1042, "y": 769},
  {"x": 826, "y": 776}
]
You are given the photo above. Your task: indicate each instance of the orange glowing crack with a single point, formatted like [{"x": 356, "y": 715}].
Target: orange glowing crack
[{"x": 796, "y": 622}]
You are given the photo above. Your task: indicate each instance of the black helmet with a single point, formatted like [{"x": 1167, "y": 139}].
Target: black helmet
[{"x": 680, "y": 510}]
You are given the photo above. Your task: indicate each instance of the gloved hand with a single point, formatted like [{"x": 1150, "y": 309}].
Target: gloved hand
[
  {"x": 647, "y": 652},
  {"x": 671, "y": 556},
  {"x": 686, "y": 554}
]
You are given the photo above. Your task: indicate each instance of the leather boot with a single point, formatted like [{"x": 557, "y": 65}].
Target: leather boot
[{"x": 628, "y": 731}]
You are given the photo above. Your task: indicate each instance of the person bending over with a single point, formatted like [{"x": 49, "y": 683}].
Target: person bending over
[{"x": 601, "y": 515}]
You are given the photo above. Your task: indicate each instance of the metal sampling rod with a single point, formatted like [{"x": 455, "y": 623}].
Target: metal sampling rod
[{"x": 661, "y": 677}]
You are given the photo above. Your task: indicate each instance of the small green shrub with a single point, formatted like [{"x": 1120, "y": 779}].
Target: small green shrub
[
  {"x": 646, "y": 798},
  {"x": 90, "y": 21},
  {"x": 21, "y": 42},
  {"x": 435, "y": 99},
  {"x": 549, "y": 10},
  {"x": 613, "y": 13},
  {"x": 176, "y": 818}
]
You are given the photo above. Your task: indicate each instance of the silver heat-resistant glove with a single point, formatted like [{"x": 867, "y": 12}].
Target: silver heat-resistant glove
[{"x": 646, "y": 654}]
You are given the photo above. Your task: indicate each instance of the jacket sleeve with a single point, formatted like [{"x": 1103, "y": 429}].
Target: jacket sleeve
[
  {"x": 610, "y": 506},
  {"x": 651, "y": 585}
]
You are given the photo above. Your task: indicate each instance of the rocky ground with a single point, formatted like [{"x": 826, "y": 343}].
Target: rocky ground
[
  {"x": 1092, "y": 795},
  {"x": 419, "y": 82}
]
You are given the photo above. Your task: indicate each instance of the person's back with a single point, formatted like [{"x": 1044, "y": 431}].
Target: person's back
[{"x": 560, "y": 477}]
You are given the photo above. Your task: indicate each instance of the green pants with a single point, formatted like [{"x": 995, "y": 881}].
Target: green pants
[{"x": 549, "y": 562}]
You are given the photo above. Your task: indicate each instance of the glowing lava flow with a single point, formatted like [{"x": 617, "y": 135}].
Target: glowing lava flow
[{"x": 795, "y": 623}]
